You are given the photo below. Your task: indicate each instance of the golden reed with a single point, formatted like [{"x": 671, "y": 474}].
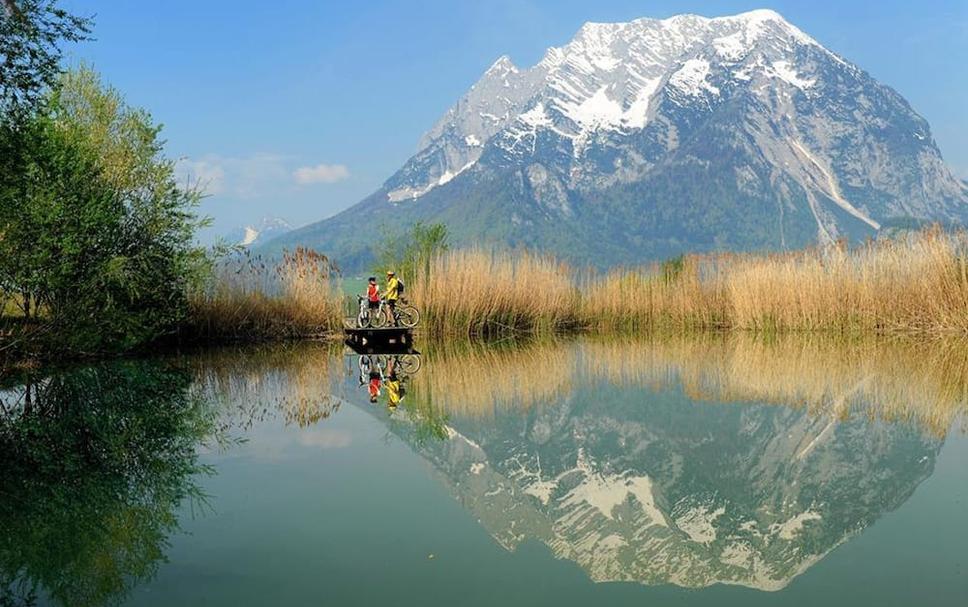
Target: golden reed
[
  {"x": 474, "y": 292},
  {"x": 248, "y": 298},
  {"x": 916, "y": 284}
]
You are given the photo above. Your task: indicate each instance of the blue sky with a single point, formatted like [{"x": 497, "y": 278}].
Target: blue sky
[{"x": 299, "y": 109}]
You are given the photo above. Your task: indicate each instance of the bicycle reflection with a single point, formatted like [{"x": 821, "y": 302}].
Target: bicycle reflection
[{"x": 388, "y": 376}]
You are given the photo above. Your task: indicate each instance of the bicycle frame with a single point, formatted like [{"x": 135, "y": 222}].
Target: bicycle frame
[{"x": 393, "y": 312}]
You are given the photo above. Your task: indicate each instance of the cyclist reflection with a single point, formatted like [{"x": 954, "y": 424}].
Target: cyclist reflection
[{"x": 389, "y": 373}]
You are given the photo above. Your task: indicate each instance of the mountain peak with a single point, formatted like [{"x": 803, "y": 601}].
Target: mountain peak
[
  {"x": 503, "y": 65},
  {"x": 754, "y": 24},
  {"x": 760, "y": 19},
  {"x": 759, "y": 14},
  {"x": 606, "y": 78},
  {"x": 657, "y": 136}
]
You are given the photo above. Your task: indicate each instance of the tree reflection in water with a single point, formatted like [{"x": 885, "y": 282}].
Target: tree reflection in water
[{"x": 95, "y": 463}]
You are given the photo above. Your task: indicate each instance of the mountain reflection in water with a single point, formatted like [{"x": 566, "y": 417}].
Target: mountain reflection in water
[
  {"x": 669, "y": 461},
  {"x": 686, "y": 461}
]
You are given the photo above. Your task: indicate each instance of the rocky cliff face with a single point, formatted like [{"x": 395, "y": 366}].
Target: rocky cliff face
[{"x": 644, "y": 139}]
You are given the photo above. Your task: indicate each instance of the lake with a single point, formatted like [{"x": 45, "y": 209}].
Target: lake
[{"x": 706, "y": 470}]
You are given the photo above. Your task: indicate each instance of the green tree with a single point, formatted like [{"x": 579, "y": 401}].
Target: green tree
[
  {"x": 96, "y": 233},
  {"x": 31, "y": 35},
  {"x": 410, "y": 253}
]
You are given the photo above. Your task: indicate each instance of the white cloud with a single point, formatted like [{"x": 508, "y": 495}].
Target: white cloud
[
  {"x": 203, "y": 174},
  {"x": 255, "y": 176},
  {"x": 321, "y": 173},
  {"x": 243, "y": 177}
]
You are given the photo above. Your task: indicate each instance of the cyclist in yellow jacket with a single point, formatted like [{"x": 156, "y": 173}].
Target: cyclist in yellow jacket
[{"x": 391, "y": 294}]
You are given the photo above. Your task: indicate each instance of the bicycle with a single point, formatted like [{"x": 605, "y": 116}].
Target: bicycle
[
  {"x": 404, "y": 314},
  {"x": 364, "y": 318},
  {"x": 366, "y": 364},
  {"x": 405, "y": 364}
]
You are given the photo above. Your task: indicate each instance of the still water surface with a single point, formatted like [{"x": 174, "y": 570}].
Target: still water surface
[{"x": 719, "y": 471}]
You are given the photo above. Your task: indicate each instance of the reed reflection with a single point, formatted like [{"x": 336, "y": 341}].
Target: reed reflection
[
  {"x": 690, "y": 461},
  {"x": 683, "y": 460},
  {"x": 894, "y": 380},
  {"x": 300, "y": 382}
]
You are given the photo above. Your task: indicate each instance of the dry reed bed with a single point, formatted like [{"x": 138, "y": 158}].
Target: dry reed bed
[
  {"x": 916, "y": 284},
  {"x": 475, "y": 292},
  {"x": 248, "y": 298}
]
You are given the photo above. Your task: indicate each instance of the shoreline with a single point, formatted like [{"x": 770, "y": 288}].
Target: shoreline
[{"x": 12, "y": 366}]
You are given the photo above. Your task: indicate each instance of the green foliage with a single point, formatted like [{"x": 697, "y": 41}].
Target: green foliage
[
  {"x": 409, "y": 253},
  {"x": 96, "y": 462},
  {"x": 31, "y": 34},
  {"x": 672, "y": 268},
  {"x": 97, "y": 234}
]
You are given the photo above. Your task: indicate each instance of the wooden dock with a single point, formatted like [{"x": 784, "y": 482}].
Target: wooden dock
[{"x": 372, "y": 341}]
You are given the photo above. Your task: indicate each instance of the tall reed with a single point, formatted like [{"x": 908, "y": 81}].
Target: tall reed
[
  {"x": 247, "y": 297},
  {"x": 476, "y": 292},
  {"x": 917, "y": 284}
]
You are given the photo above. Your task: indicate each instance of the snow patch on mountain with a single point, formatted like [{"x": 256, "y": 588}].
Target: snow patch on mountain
[
  {"x": 731, "y": 47},
  {"x": 251, "y": 235},
  {"x": 784, "y": 71},
  {"x": 691, "y": 79},
  {"x": 266, "y": 229}
]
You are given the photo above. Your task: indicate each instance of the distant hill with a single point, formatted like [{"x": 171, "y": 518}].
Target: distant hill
[
  {"x": 267, "y": 229},
  {"x": 642, "y": 140}
]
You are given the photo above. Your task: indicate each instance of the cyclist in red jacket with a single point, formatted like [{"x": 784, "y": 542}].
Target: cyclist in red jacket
[{"x": 373, "y": 293}]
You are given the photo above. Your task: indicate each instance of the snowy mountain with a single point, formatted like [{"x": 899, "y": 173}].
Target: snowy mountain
[
  {"x": 645, "y": 139},
  {"x": 267, "y": 229}
]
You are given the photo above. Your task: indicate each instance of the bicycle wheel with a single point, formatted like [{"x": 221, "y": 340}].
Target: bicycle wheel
[
  {"x": 378, "y": 319},
  {"x": 409, "y": 363},
  {"x": 409, "y": 317}
]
